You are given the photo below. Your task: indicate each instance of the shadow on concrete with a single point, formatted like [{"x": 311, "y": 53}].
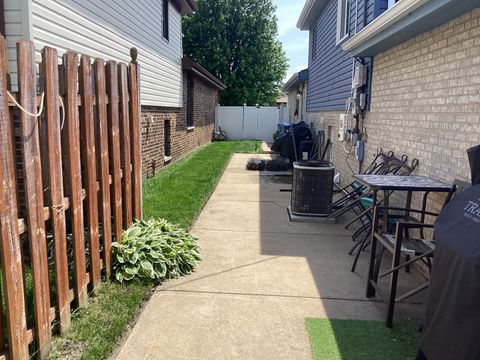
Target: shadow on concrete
[{"x": 325, "y": 248}]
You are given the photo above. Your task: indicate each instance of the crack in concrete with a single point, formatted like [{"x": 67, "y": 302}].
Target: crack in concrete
[
  {"x": 282, "y": 296},
  {"x": 222, "y": 272},
  {"x": 266, "y": 232}
]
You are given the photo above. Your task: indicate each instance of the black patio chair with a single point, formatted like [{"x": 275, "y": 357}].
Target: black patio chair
[
  {"x": 365, "y": 212},
  {"x": 377, "y": 163},
  {"x": 353, "y": 202},
  {"x": 402, "y": 244},
  {"x": 354, "y": 191}
]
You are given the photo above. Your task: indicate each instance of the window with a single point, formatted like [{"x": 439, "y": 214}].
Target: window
[
  {"x": 392, "y": 2},
  {"x": 189, "y": 101},
  {"x": 313, "y": 42},
  {"x": 343, "y": 20},
  {"x": 167, "y": 147},
  {"x": 165, "y": 20}
]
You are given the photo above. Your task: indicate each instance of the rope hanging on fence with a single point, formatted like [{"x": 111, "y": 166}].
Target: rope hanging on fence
[
  {"x": 63, "y": 112},
  {"x": 58, "y": 208},
  {"x": 23, "y": 109},
  {"x": 41, "y": 107}
]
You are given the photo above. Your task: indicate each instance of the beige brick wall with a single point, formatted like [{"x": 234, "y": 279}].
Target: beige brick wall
[{"x": 425, "y": 101}]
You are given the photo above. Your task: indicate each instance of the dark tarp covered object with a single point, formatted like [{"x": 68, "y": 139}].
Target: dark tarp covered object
[
  {"x": 452, "y": 323},
  {"x": 284, "y": 144}
]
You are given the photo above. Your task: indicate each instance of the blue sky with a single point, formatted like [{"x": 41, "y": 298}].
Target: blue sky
[{"x": 295, "y": 42}]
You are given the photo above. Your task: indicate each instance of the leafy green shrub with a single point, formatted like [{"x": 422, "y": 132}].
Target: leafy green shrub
[{"x": 154, "y": 250}]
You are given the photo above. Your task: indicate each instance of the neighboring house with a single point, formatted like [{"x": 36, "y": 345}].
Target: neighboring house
[
  {"x": 108, "y": 29},
  {"x": 168, "y": 134},
  {"x": 422, "y": 90},
  {"x": 282, "y": 101},
  {"x": 296, "y": 90}
]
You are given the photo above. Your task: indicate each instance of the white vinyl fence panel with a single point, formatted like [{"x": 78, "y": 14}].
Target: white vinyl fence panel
[
  {"x": 249, "y": 122},
  {"x": 231, "y": 121}
]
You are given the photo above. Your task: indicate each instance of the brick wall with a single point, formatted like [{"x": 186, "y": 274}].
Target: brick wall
[
  {"x": 425, "y": 101},
  {"x": 183, "y": 139}
]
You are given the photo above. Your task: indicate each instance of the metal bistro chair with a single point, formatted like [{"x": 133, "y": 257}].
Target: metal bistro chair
[
  {"x": 402, "y": 245},
  {"x": 365, "y": 213},
  {"x": 354, "y": 191}
]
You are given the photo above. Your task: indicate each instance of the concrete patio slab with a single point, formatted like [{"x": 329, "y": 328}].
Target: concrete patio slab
[{"x": 260, "y": 277}]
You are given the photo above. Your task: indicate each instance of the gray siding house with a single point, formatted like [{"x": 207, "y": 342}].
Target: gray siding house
[
  {"x": 330, "y": 23},
  {"x": 296, "y": 89}
]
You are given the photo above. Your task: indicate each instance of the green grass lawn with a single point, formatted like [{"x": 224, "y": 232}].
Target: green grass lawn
[
  {"x": 177, "y": 193},
  {"x": 361, "y": 339}
]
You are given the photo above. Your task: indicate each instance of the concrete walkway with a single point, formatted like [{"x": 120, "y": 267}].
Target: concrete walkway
[{"x": 261, "y": 276}]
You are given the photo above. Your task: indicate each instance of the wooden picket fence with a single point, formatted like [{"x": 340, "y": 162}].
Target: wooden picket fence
[{"x": 71, "y": 182}]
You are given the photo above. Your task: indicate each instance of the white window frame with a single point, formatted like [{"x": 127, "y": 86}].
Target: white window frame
[
  {"x": 343, "y": 20},
  {"x": 392, "y": 3}
]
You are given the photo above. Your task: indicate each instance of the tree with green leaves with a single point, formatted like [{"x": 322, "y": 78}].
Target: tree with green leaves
[{"x": 236, "y": 40}]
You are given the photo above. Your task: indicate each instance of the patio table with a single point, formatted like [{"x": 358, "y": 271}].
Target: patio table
[{"x": 388, "y": 184}]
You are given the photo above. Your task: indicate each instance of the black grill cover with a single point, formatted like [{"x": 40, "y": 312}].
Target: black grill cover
[
  {"x": 284, "y": 144},
  {"x": 452, "y": 324}
]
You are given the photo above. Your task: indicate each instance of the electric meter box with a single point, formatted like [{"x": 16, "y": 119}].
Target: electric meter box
[{"x": 359, "y": 76}]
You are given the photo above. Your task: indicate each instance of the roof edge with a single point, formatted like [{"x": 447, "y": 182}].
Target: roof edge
[
  {"x": 185, "y": 7},
  {"x": 295, "y": 80},
  {"x": 304, "y": 14},
  {"x": 310, "y": 12},
  {"x": 203, "y": 74}
]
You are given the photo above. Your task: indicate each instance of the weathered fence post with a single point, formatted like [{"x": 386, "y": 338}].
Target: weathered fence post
[
  {"x": 10, "y": 244},
  {"x": 73, "y": 174},
  {"x": 125, "y": 143},
  {"x": 27, "y": 86},
  {"x": 135, "y": 136},
  {"x": 102, "y": 144},
  {"x": 87, "y": 134},
  {"x": 55, "y": 182},
  {"x": 114, "y": 143}
]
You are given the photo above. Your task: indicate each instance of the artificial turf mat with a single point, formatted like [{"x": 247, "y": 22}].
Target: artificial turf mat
[{"x": 361, "y": 340}]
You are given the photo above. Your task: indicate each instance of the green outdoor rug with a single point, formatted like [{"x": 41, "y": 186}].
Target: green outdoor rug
[{"x": 361, "y": 340}]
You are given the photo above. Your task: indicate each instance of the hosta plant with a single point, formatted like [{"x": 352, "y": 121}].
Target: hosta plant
[{"x": 154, "y": 250}]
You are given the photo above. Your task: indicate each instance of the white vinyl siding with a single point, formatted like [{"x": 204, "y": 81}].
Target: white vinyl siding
[
  {"x": 108, "y": 29},
  {"x": 13, "y": 31}
]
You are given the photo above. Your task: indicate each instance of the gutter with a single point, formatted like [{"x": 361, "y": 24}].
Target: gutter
[{"x": 304, "y": 14}]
